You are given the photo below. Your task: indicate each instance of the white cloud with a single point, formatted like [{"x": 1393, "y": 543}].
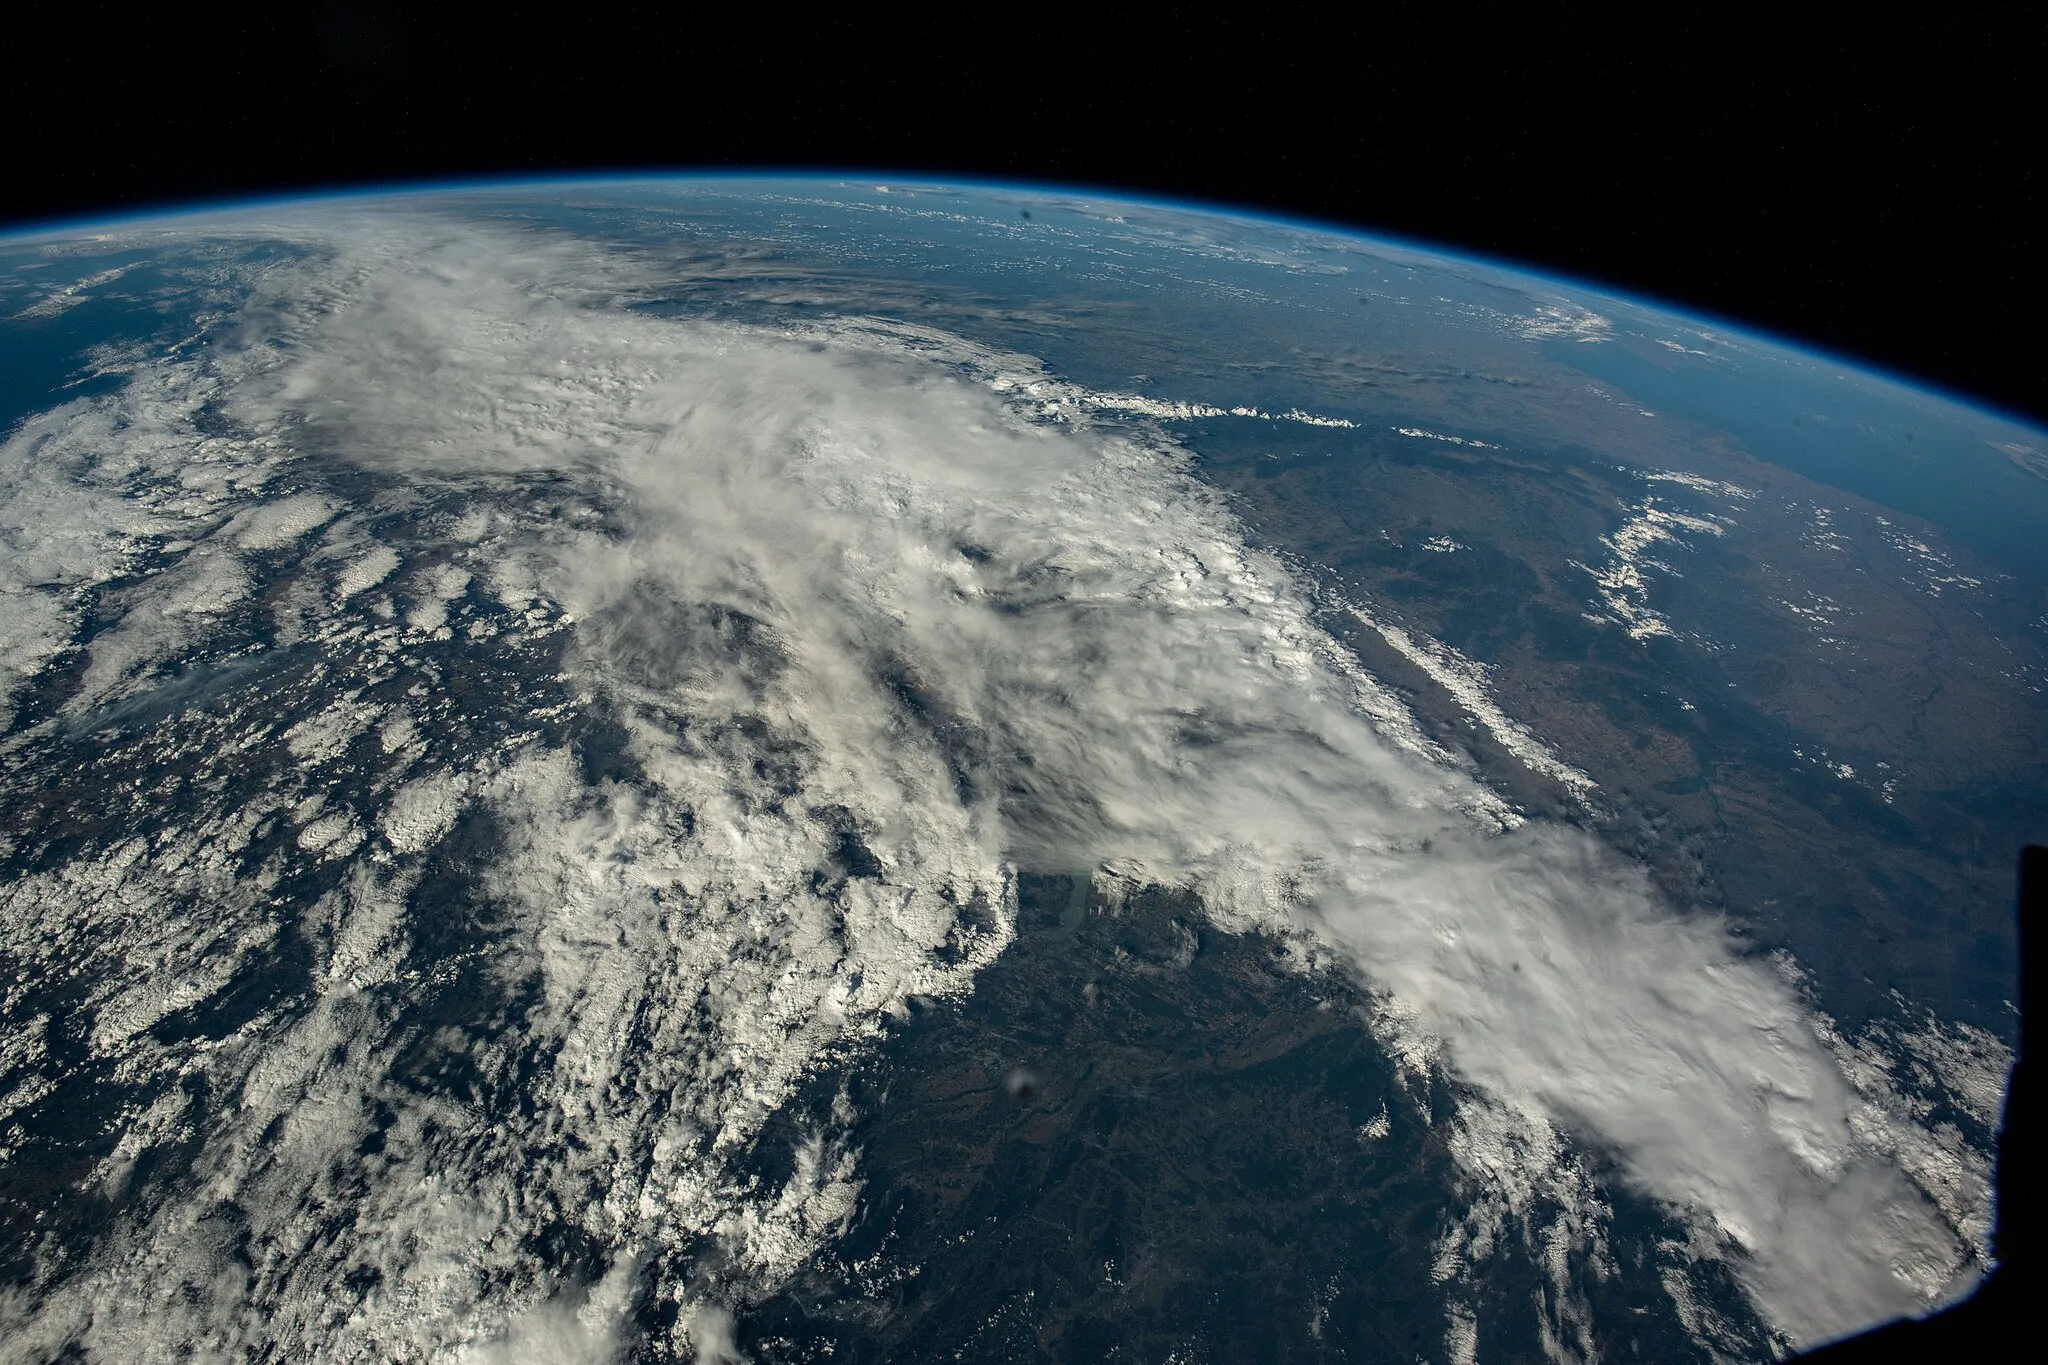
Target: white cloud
[
  {"x": 71, "y": 295},
  {"x": 1623, "y": 580},
  {"x": 1561, "y": 319},
  {"x": 375, "y": 565},
  {"x": 860, "y": 585},
  {"x": 1423, "y": 435},
  {"x": 271, "y": 525},
  {"x": 1466, "y": 680}
]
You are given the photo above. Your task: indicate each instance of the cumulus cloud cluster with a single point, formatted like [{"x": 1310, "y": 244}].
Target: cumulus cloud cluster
[{"x": 876, "y": 629}]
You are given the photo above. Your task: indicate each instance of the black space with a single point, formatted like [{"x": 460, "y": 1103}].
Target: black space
[{"x": 1874, "y": 188}]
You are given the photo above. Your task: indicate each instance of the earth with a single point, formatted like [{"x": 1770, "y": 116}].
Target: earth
[{"x": 793, "y": 769}]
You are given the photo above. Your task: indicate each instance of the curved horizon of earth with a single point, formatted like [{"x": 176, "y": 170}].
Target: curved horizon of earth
[{"x": 763, "y": 768}]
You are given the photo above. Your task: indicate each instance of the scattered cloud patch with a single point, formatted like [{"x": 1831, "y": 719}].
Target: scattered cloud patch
[
  {"x": 1562, "y": 320},
  {"x": 70, "y": 296},
  {"x": 1928, "y": 569},
  {"x": 1420, "y": 434},
  {"x": 2026, "y": 457},
  {"x": 1623, "y": 580}
]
